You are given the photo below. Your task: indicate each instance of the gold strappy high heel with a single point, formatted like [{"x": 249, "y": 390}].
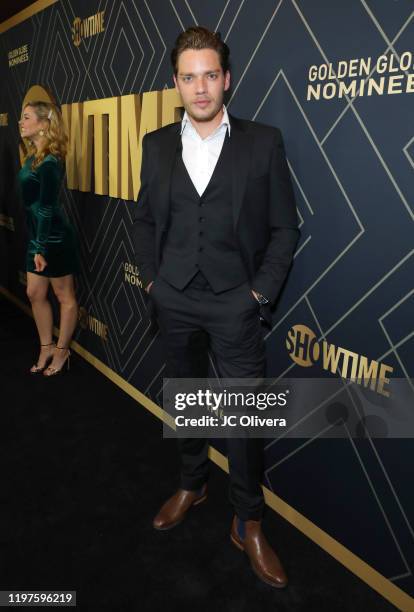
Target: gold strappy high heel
[
  {"x": 51, "y": 370},
  {"x": 36, "y": 369}
]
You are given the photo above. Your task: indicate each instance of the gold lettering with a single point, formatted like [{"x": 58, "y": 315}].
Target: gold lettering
[
  {"x": 150, "y": 113},
  {"x": 314, "y": 92},
  {"x": 171, "y": 104},
  {"x": 150, "y": 121},
  {"x": 101, "y": 153},
  {"x": 352, "y": 70},
  {"x": 136, "y": 121},
  {"x": 97, "y": 327},
  {"x": 382, "y": 380},
  {"x": 391, "y": 67},
  {"x": 367, "y": 374},
  {"x": 130, "y": 153},
  {"x": 77, "y": 31},
  {"x": 85, "y": 28},
  {"x": 365, "y": 66},
  {"x": 331, "y": 356},
  {"x": 86, "y": 155},
  {"x": 342, "y": 68},
  {"x": 331, "y": 73},
  {"x": 99, "y": 118},
  {"x": 372, "y": 84},
  {"x": 382, "y": 64},
  {"x": 73, "y": 119},
  {"x": 394, "y": 86},
  {"x": 112, "y": 130},
  {"x": 347, "y": 89},
  {"x": 347, "y": 355}
]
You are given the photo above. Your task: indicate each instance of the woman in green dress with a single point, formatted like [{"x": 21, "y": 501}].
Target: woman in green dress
[{"x": 52, "y": 253}]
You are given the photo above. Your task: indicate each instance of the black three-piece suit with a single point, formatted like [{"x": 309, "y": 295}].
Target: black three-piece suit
[{"x": 205, "y": 254}]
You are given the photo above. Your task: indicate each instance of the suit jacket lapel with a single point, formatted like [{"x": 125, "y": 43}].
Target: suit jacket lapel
[{"x": 241, "y": 145}]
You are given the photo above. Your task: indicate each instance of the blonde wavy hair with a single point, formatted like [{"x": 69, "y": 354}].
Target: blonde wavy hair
[{"x": 56, "y": 139}]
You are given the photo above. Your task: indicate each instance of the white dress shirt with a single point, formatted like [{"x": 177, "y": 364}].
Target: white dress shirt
[{"x": 200, "y": 155}]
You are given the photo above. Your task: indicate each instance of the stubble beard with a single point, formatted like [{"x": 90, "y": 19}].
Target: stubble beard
[{"x": 202, "y": 118}]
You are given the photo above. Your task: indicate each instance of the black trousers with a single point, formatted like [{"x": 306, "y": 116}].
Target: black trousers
[{"x": 232, "y": 324}]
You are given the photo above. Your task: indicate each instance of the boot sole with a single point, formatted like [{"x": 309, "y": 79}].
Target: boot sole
[{"x": 198, "y": 501}]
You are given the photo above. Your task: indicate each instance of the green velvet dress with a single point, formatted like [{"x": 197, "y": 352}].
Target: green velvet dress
[{"x": 50, "y": 232}]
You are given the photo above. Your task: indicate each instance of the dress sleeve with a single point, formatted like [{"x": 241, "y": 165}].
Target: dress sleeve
[{"x": 49, "y": 177}]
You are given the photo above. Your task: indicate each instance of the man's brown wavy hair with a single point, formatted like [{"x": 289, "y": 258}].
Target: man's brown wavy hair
[{"x": 198, "y": 38}]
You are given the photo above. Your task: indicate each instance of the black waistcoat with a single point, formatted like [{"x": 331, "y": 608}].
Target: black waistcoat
[{"x": 201, "y": 235}]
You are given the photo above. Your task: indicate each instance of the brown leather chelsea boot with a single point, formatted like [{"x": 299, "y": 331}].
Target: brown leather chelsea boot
[
  {"x": 175, "y": 508},
  {"x": 248, "y": 536}
]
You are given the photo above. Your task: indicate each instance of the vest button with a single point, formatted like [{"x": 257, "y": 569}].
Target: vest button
[
  {"x": 200, "y": 248},
  {"x": 201, "y": 219}
]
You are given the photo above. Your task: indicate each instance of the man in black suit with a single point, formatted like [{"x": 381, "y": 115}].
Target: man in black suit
[{"x": 215, "y": 229}]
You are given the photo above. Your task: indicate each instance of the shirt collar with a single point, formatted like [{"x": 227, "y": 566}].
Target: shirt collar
[{"x": 224, "y": 121}]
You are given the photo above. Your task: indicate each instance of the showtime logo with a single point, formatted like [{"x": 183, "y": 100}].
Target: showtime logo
[
  {"x": 85, "y": 28},
  {"x": 92, "y": 324},
  {"x": 305, "y": 350}
]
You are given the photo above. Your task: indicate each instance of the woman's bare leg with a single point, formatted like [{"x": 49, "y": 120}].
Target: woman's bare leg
[
  {"x": 64, "y": 290},
  {"x": 37, "y": 288}
]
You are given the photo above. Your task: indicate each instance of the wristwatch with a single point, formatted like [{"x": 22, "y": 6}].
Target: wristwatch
[{"x": 261, "y": 299}]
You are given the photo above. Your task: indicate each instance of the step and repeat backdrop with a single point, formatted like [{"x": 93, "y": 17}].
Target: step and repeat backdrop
[{"x": 337, "y": 78}]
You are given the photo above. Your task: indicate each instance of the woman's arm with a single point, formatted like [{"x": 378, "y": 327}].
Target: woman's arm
[{"x": 49, "y": 177}]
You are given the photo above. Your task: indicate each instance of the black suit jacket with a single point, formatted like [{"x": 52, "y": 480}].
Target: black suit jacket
[{"x": 264, "y": 211}]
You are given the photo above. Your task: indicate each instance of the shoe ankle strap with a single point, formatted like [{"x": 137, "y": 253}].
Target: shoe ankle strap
[
  {"x": 50, "y": 344},
  {"x": 62, "y": 348}
]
